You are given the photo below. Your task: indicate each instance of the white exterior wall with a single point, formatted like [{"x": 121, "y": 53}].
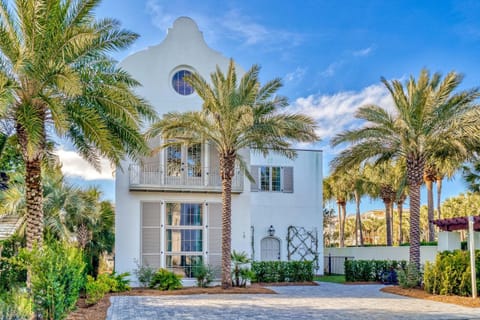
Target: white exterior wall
[
  {"x": 184, "y": 48},
  {"x": 302, "y": 208},
  {"x": 427, "y": 253}
]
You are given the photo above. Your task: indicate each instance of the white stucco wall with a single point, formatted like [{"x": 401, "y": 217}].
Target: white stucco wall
[
  {"x": 427, "y": 253},
  {"x": 302, "y": 208},
  {"x": 184, "y": 48}
]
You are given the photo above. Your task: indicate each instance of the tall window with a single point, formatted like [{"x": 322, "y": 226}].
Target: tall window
[
  {"x": 174, "y": 160},
  {"x": 194, "y": 160},
  {"x": 270, "y": 179},
  {"x": 184, "y": 237}
]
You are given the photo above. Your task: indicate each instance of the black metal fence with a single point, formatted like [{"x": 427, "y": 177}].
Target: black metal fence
[{"x": 335, "y": 264}]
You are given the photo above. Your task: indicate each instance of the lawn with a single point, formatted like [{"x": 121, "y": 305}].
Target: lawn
[{"x": 335, "y": 278}]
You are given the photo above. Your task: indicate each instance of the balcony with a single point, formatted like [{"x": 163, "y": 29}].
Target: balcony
[{"x": 154, "y": 177}]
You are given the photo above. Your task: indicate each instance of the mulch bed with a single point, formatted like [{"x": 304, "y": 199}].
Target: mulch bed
[{"x": 421, "y": 294}]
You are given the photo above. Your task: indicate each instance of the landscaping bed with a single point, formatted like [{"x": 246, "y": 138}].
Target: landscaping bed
[{"x": 421, "y": 294}]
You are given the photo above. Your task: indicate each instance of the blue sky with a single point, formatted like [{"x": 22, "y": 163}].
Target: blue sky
[{"x": 330, "y": 54}]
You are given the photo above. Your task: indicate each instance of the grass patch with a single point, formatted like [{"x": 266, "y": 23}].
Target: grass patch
[{"x": 331, "y": 278}]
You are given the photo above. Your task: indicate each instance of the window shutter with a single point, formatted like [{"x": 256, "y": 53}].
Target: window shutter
[
  {"x": 287, "y": 179},
  {"x": 214, "y": 230},
  {"x": 151, "y": 234},
  {"x": 254, "y": 173}
]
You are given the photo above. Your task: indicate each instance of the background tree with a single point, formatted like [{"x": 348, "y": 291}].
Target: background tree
[
  {"x": 236, "y": 115},
  {"x": 56, "y": 77},
  {"x": 428, "y": 118}
]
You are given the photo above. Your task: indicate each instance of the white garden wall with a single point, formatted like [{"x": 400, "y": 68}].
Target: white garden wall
[{"x": 427, "y": 253}]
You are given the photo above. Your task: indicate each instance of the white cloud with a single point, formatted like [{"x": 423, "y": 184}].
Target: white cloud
[
  {"x": 253, "y": 33},
  {"x": 332, "y": 68},
  {"x": 363, "y": 52},
  {"x": 160, "y": 18},
  {"x": 296, "y": 75},
  {"x": 335, "y": 113},
  {"x": 74, "y": 165}
]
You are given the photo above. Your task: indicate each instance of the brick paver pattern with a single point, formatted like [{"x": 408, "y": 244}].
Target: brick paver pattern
[{"x": 326, "y": 301}]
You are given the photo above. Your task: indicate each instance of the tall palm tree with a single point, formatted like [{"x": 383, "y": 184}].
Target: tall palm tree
[
  {"x": 352, "y": 182},
  {"x": 236, "y": 115},
  {"x": 430, "y": 174},
  {"x": 338, "y": 190},
  {"x": 56, "y": 76},
  {"x": 428, "y": 118},
  {"x": 382, "y": 185}
]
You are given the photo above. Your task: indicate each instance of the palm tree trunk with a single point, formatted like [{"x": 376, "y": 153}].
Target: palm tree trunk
[
  {"x": 344, "y": 220},
  {"x": 431, "y": 229},
  {"x": 341, "y": 225},
  {"x": 227, "y": 168},
  {"x": 439, "y": 196},
  {"x": 400, "y": 221},
  {"x": 34, "y": 201},
  {"x": 392, "y": 224},
  {"x": 387, "y": 223},
  {"x": 358, "y": 231},
  {"x": 415, "y": 168}
]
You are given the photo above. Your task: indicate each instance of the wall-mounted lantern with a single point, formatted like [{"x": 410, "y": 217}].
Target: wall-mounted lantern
[{"x": 271, "y": 231}]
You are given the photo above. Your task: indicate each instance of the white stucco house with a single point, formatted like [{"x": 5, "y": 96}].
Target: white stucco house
[{"x": 168, "y": 207}]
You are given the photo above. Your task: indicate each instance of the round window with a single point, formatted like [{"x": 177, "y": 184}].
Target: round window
[{"x": 179, "y": 83}]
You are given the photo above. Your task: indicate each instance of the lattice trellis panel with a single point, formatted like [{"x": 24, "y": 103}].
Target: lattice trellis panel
[{"x": 302, "y": 244}]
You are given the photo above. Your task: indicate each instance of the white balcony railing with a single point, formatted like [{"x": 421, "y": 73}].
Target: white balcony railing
[{"x": 153, "y": 176}]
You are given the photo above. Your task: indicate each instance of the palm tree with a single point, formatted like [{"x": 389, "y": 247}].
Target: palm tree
[
  {"x": 382, "y": 181},
  {"x": 354, "y": 183},
  {"x": 57, "y": 77},
  {"x": 336, "y": 184},
  {"x": 428, "y": 118},
  {"x": 236, "y": 115},
  {"x": 429, "y": 176}
]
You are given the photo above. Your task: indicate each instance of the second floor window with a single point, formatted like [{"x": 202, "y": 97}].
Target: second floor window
[{"x": 270, "y": 179}]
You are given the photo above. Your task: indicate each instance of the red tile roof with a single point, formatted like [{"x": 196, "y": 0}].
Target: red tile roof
[{"x": 459, "y": 223}]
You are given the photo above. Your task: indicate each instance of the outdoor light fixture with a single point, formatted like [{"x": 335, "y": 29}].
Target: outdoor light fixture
[{"x": 271, "y": 231}]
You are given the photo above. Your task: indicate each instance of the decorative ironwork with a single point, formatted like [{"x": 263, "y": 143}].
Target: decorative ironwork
[{"x": 302, "y": 244}]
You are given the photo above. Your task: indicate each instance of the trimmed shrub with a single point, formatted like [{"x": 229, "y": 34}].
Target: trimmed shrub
[
  {"x": 370, "y": 270},
  {"x": 57, "y": 275},
  {"x": 450, "y": 273},
  {"x": 166, "y": 280},
  {"x": 282, "y": 271}
]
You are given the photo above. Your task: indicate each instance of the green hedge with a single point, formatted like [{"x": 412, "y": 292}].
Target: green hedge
[
  {"x": 369, "y": 270},
  {"x": 450, "y": 273},
  {"x": 283, "y": 271}
]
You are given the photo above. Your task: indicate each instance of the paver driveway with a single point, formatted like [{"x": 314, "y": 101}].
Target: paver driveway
[{"x": 326, "y": 301}]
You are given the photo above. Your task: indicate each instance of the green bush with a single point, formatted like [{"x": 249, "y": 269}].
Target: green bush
[
  {"x": 57, "y": 274},
  {"x": 282, "y": 271},
  {"x": 370, "y": 270},
  {"x": 11, "y": 273},
  {"x": 409, "y": 277},
  {"x": 96, "y": 289},
  {"x": 15, "y": 305},
  {"x": 450, "y": 274},
  {"x": 144, "y": 274},
  {"x": 204, "y": 275},
  {"x": 120, "y": 282},
  {"x": 166, "y": 280}
]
